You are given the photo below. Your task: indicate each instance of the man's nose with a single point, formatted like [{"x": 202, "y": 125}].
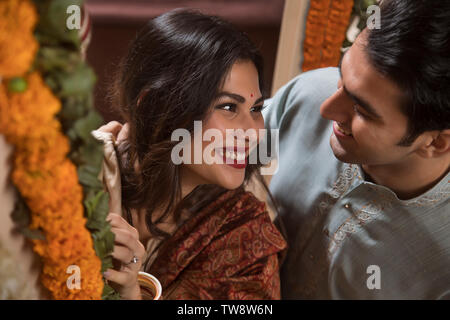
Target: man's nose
[{"x": 338, "y": 107}]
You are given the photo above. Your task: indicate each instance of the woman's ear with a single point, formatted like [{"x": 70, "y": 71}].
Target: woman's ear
[{"x": 438, "y": 145}]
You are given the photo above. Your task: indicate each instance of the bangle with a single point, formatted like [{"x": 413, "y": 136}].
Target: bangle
[{"x": 150, "y": 286}]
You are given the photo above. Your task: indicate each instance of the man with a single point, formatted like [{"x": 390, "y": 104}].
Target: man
[{"x": 363, "y": 182}]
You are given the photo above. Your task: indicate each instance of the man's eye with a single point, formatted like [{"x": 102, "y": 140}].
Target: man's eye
[
  {"x": 359, "y": 113},
  {"x": 257, "y": 108},
  {"x": 227, "y": 107}
]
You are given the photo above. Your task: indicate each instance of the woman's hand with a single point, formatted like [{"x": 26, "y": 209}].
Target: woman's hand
[
  {"x": 130, "y": 252},
  {"x": 119, "y": 131}
]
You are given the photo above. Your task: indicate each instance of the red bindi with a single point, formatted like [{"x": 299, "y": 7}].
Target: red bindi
[{"x": 251, "y": 95}]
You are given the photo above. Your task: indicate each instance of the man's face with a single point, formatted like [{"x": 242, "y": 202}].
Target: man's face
[{"x": 366, "y": 111}]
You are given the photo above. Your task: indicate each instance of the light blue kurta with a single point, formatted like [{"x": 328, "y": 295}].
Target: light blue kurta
[{"x": 338, "y": 224}]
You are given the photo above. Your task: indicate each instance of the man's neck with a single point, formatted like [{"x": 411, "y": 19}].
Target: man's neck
[{"x": 411, "y": 179}]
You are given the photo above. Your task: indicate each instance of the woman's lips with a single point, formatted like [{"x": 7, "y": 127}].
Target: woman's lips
[
  {"x": 340, "y": 132},
  {"x": 235, "y": 157}
]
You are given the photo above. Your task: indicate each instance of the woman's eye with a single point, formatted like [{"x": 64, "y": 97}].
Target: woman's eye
[
  {"x": 257, "y": 108},
  {"x": 227, "y": 107}
]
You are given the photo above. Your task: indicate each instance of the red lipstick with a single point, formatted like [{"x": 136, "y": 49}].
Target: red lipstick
[{"x": 235, "y": 152}]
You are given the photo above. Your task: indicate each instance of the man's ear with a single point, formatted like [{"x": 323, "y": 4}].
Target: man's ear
[{"x": 438, "y": 144}]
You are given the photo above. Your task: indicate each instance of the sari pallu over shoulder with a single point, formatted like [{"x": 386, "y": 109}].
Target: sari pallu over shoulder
[{"x": 228, "y": 250}]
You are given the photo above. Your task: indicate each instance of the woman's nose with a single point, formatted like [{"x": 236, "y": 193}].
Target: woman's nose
[
  {"x": 338, "y": 107},
  {"x": 249, "y": 125}
]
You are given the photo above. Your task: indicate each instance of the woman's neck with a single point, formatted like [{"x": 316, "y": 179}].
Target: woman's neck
[{"x": 188, "y": 184}]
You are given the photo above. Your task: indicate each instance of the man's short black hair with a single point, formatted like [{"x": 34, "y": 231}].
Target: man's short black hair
[{"x": 412, "y": 48}]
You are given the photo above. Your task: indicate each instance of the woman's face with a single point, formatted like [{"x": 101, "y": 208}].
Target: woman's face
[{"x": 238, "y": 106}]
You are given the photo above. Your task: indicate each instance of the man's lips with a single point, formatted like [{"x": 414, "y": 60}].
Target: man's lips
[{"x": 340, "y": 132}]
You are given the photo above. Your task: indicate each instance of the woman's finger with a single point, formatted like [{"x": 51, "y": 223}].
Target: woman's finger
[
  {"x": 123, "y": 133},
  {"x": 123, "y": 254},
  {"x": 124, "y": 279},
  {"x": 116, "y": 221},
  {"x": 113, "y": 127},
  {"x": 125, "y": 238}
]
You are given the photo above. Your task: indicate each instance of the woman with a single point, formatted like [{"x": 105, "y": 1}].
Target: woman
[{"x": 206, "y": 237}]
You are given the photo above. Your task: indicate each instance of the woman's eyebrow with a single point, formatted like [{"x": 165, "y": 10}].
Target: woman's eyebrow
[
  {"x": 236, "y": 97},
  {"x": 260, "y": 99}
]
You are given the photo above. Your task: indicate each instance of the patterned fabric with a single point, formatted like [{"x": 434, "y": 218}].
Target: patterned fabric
[{"x": 226, "y": 251}]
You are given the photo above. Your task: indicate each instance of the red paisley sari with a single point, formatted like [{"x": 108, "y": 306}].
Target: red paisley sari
[{"x": 228, "y": 250}]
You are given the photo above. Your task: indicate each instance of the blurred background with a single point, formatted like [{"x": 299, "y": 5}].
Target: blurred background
[{"x": 114, "y": 24}]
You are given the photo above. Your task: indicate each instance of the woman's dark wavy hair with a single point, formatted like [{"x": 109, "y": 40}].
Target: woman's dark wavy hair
[
  {"x": 173, "y": 71},
  {"x": 412, "y": 48}
]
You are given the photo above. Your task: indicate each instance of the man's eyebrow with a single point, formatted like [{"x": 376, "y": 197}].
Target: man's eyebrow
[
  {"x": 236, "y": 97},
  {"x": 340, "y": 62},
  {"x": 361, "y": 102}
]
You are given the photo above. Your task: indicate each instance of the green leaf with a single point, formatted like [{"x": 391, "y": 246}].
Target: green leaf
[
  {"x": 32, "y": 234},
  {"x": 91, "y": 153},
  {"x": 109, "y": 293},
  {"x": 57, "y": 59},
  {"x": 102, "y": 209},
  {"x": 92, "y": 202},
  {"x": 52, "y": 83},
  {"x": 100, "y": 249},
  {"x": 21, "y": 216},
  {"x": 87, "y": 175},
  {"x": 72, "y": 81},
  {"x": 106, "y": 235},
  {"x": 107, "y": 264},
  {"x": 17, "y": 84},
  {"x": 84, "y": 126},
  {"x": 94, "y": 225},
  {"x": 74, "y": 108},
  {"x": 52, "y": 26},
  {"x": 80, "y": 81}
]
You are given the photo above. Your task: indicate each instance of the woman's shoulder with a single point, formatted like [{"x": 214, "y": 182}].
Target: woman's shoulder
[{"x": 242, "y": 203}]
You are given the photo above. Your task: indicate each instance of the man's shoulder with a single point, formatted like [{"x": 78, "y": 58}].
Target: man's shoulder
[
  {"x": 304, "y": 93},
  {"x": 318, "y": 80}
]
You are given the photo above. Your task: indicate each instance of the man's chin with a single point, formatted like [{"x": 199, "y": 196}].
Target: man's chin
[{"x": 342, "y": 155}]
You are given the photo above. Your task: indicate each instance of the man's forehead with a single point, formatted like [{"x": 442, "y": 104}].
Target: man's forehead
[
  {"x": 360, "y": 73},
  {"x": 364, "y": 81}
]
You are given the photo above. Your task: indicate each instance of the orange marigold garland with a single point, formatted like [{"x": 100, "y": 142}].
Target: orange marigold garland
[
  {"x": 326, "y": 25},
  {"x": 17, "y": 21},
  {"x": 46, "y": 179}
]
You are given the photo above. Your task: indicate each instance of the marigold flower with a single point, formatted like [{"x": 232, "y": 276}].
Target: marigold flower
[
  {"x": 326, "y": 25},
  {"x": 48, "y": 182},
  {"x": 17, "y": 43}
]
